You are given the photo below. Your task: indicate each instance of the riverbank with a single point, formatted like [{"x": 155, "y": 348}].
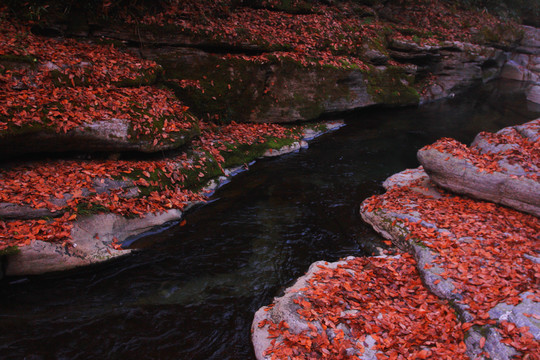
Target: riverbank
[
  {"x": 90, "y": 226},
  {"x": 478, "y": 258}
]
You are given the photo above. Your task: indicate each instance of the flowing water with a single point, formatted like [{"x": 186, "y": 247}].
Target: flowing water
[{"x": 191, "y": 291}]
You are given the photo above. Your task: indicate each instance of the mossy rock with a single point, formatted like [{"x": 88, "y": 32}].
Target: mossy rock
[
  {"x": 13, "y": 62},
  {"x": 392, "y": 86},
  {"x": 278, "y": 90}
]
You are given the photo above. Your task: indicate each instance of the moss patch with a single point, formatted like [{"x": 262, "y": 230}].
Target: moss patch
[
  {"x": 8, "y": 60},
  {"x": 232, "y": 89},
  {"x": 10, "y": 250},
  {"x": 244, "y": 153},
  {"x": 392, "y": 86},
  {"x": 89, "y": 208}
]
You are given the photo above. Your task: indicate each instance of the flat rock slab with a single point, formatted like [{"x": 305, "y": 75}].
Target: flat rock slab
[
  {"x": 503, "y": 167},
  {"x": 93, "y": 241},
  {"x": 474, "y": 254}
]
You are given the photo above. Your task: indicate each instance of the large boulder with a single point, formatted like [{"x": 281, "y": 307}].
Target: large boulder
[
  {"x": 86, "y": 97},
  {"x": 501, "y": 167},
  {"x": 105, "y": 135}
]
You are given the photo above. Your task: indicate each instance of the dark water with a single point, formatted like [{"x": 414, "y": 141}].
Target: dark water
[{"x": 191, "y": 292}]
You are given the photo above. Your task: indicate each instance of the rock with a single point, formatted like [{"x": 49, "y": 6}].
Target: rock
[
  {"x": 520, "y": 314},
  {"x": 277, "y": 90},
  {"x": 514, "y": 71},
  {"x": 297, "y": 145},
  {"x": 285, "y": 309},
  {"x": 396, "y": 224},
  {"x": 533, "y": 94},
  {"x": 110, "y": 135},
  {"x": 493, "y": 345},
  {"x": 126, "y": 190},
  {"x": 323, "y": 128},
  {"x": 530, "y": 42},
  {"x": 459, "y": 176},
  {"x": 92, "y": 238},
  {"x": 460, "y": 66},
  {"x": 403, "y": 178},
  {"x": 511, "y": 185},
  {"x": 16, "y": 211}
]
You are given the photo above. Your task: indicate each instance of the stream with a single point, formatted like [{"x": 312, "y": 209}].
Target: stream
[{"x": 191, "y": 291}]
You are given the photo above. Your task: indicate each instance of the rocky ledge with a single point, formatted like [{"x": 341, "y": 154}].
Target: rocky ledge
[
  {"x": 503, "y": 167},
  {"x": 477, "y": 258},
  {"x": 84, "y": 215}
]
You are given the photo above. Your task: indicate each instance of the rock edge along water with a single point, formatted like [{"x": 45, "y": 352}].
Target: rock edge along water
[{"x": 95, "y": 237}]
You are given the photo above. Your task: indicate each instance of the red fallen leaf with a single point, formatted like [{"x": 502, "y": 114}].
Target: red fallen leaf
[
  {"x": 423, "y": 354},
  {"x": 482, "y": 342},
  {"x": 183, "y": 222}
]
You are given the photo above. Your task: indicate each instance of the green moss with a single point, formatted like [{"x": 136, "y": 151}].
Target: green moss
[
  {"x": 228, "y": 87},
  {"x": 10, "y": 250},
  {"x": 197, "y": 177},
  {"x": 421, "y": 244},
  {"x": 43, "y": 125},
  {"x": 392, "y": 86},
  {"x": 90, "y": 208},
  {"x": 241, "y": 90},
  {"x": 239, "y": 154},
  {"x": 157, "y": 180},
  {"x": 147, "y": 77},
  {"x": 61, "y": 79},
  {"x": 14, "y": 130},
  {"x": 506, "y": 34},
  {"x": 22, "y": 59}
]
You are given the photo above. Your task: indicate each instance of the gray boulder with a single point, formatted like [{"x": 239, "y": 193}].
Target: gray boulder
[
  {"x": 511, "y": 186},
  {"x": 105, "y": 135}
]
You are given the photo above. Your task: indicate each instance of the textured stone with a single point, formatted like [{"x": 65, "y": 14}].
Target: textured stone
[
  {"x": 111, "y": 135},
  {"x": 389, "y": 224},
  {"x": 91, "y": 236},
  {"x": 508, "y": 187},
  {"x": 285, "y": 309}
]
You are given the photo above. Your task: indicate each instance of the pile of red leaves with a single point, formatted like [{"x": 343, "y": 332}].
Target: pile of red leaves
[
  {"x": 63, "y": 84},
  {"x": 482, "y": 254},
  {"x": 381, "y": 298}
]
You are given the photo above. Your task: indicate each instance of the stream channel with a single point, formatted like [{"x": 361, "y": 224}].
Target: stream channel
[{"x": 191, "y": 291}]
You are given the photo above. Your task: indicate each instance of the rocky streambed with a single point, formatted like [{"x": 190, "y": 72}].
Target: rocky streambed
[{"x": 476, "y": 257}]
